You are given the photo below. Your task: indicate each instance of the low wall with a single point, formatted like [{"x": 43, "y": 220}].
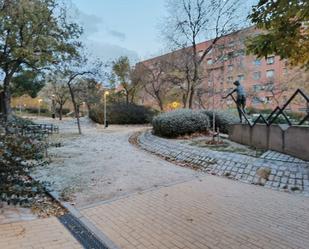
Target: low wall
[{"x": 293, "y": 140}]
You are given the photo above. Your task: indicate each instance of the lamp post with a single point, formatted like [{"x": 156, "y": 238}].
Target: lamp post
[
  {"x": 39, "y": 101},
  {"x": 105, "y": 118}
]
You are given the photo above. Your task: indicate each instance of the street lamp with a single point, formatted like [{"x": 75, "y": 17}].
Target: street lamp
[
  {"x": 39, "y": 101},
  {"x": 175, "y": 105},
  {"x": 105, "y": 118}
]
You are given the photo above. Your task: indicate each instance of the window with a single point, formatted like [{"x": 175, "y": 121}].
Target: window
[
  {"x": 270, "y": 60},
  {"x": 256, "y": 75},
  {"x": 285, "y": 71},
  {"x": 257, "y": 88},
  {"x": 268, "y": 99},
  {"x": 269, "y": 86},
  {"x": 209, "y": 61},
  {"x": 230, "y": 55},
  {"x": 241, "y": 77},
  {"x": 231, "y": 44},
  {"x": 256, "y": 100},
  {"x": 270, "y": 73},
  {"x": 257, "y": 62},
  {"x": 230, "y": 68}
]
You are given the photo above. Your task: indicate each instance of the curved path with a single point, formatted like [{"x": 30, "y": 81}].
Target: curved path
[
  {"x": 101, "y": 164},
  {"x": 292, "y": 175}
]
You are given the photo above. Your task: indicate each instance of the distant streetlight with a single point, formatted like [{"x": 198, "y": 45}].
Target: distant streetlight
[
  {"x": 175, "y": 104},
  {"x": 39, "y": 101},
  {"x": 105, "y": 118}
]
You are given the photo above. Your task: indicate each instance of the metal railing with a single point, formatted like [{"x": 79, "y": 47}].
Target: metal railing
[
  {"x": 274, "y": 115},
  {"x": 47, "y": 129}
]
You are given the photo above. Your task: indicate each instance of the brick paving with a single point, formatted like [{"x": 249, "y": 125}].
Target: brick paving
[
  {"x": 210, "y": 212},
  {"x": 287, "y": 173},
  {"x": 38, "y": 234}
]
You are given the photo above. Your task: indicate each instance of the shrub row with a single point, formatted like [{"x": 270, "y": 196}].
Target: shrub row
[{"x": 122, "y": 113}]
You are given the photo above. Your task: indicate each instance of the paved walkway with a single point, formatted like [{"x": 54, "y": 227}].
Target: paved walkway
[
  {"x": 101, "y": 164},
  {"x": 290, "y": 175},
  {"x": 42, "y": 233},
  {"x": 212, "y": 212}
]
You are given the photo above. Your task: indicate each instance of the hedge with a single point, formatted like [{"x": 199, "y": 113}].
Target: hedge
[
  {"x": 222, "y": 119},
  {"x": 122, "y": 113},
  {"x": 180, "y": 122}
]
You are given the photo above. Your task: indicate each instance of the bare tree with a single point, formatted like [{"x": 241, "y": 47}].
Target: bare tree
[
  {"x": 154, "y": 80},
  {"x": 87, "y": 91},
  {"x": 73, "y": 71},
  {"x": 56, "y": 90},
  {"x": 191, "y": 21}
]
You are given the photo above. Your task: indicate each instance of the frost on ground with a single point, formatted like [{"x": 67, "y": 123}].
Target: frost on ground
[{"x": 101, "y": 164}]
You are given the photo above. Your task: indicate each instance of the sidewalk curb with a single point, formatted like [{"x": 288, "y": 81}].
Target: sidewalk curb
[{"x": 88, "y": 224}]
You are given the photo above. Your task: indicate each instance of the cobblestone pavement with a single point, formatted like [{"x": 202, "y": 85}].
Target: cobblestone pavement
[
  {"x": 282, "y": 172},
  {"x": 210, "y": 212},
  {"x": 273, "y": 155},
  {"x": 38, "y": 234}
]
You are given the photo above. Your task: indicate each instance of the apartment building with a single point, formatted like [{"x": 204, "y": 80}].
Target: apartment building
[{"x": 268, "y": 81}]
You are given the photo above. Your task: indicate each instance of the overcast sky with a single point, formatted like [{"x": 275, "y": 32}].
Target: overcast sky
[{"x": 122, "y": 27}]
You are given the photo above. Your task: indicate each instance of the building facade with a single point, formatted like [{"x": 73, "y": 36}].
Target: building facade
[{"x": 268, "y": 82}]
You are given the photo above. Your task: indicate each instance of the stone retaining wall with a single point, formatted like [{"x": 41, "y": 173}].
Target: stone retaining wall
[
  {"x": 286, "y": 176},
  {"x": 293, "y": 141}
]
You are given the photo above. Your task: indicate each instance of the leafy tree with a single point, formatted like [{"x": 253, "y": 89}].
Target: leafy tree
[
  {"x": 27, "y": 82},
  {"x": 33, "y": 34},
  {"x": 286, "y": 31},
  {"x": 122, "y": 76}
]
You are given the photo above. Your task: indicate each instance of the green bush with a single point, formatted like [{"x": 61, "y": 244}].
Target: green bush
[
  {"x": 180, "y": 122},
  {"x": 223, "y": 119},
  {"x": 18, "y": 154},
  {"x": 34, "y": 110},
  {"x": 252, "y": 110},
  {"x": 65, "y": 111},
  {"x": 122, "y": 113}
]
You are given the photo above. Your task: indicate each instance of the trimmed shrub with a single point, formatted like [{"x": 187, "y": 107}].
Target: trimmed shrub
[
  {"x": 34, "y": 110},
  {"x": 223, "y": 119},
  {"x": 180, "y": 122},
  {"x": 65, "y": 111},
  {"x": 122, "y": 113}
]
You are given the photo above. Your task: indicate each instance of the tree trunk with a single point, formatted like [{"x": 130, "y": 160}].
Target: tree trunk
[
  {"x": 161, "y": 105},
  {"x": 76, "y": 109},
  {"x": 127, "y": 98},
  {"x": 60, "y": 111},
  {"x": 7, "y": 97},
  {"x": 191, "y": 97}
]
